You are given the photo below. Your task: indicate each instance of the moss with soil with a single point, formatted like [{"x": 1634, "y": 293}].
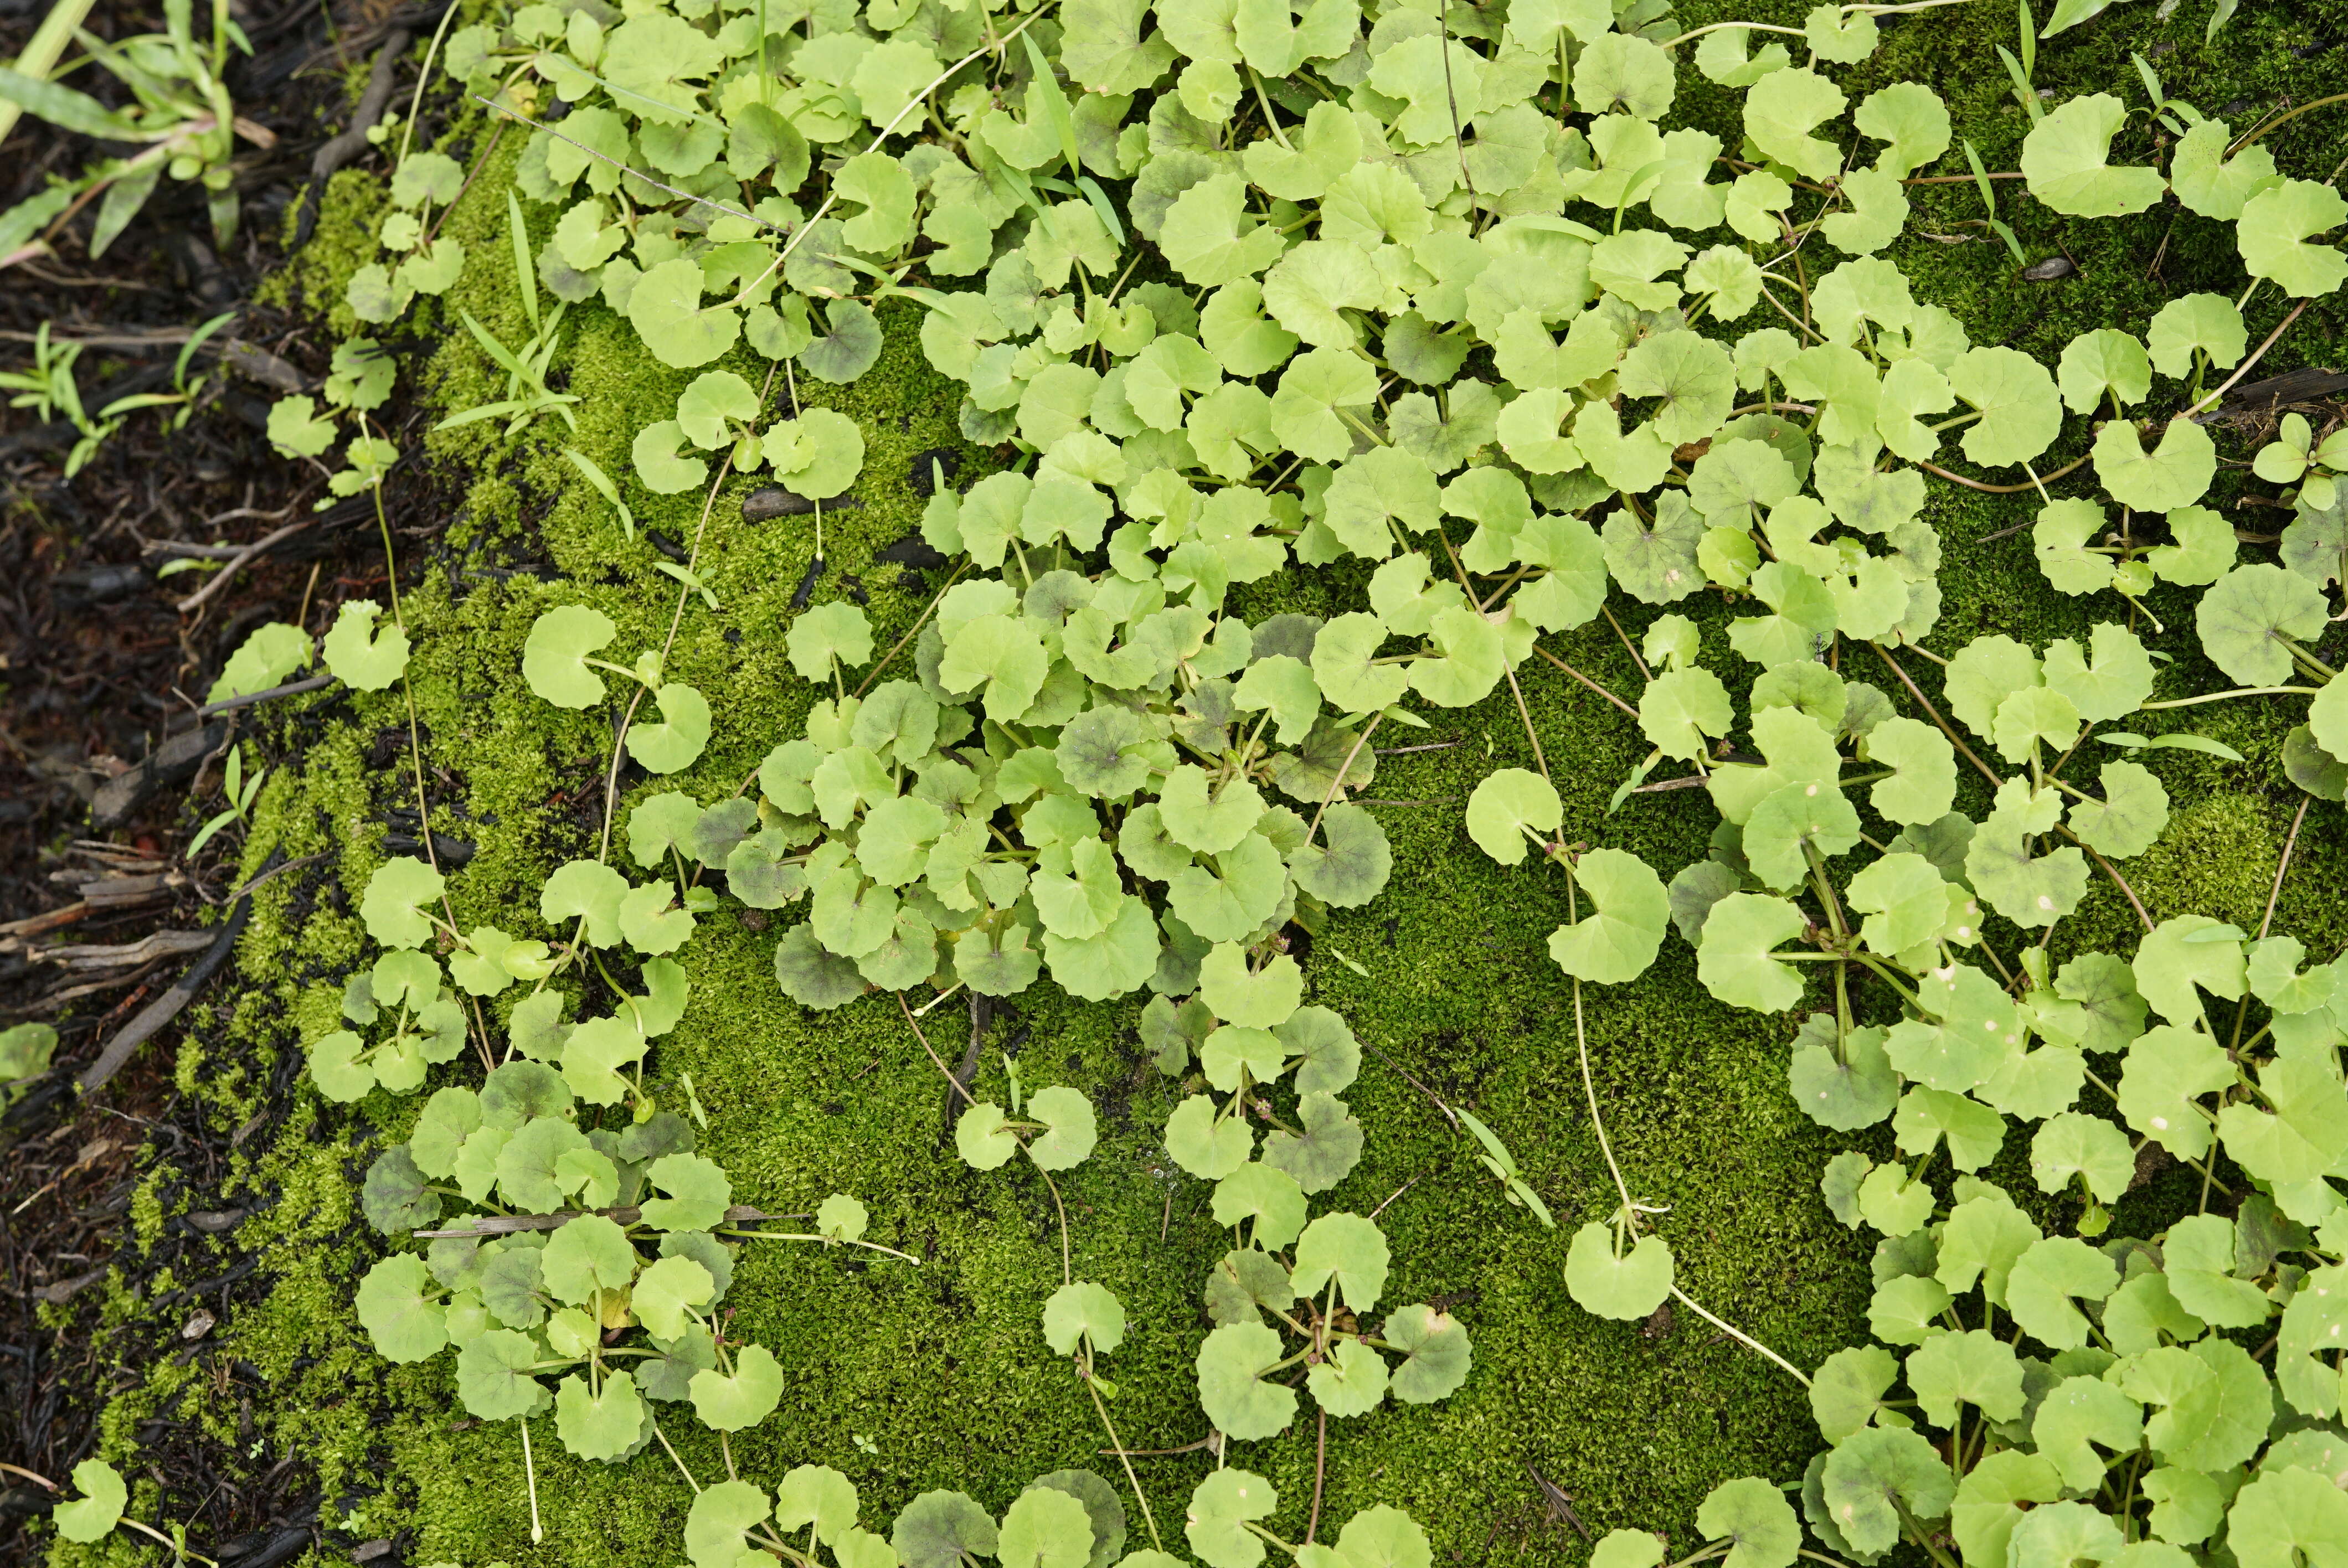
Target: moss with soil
[{"x": 909, "y": 1378}]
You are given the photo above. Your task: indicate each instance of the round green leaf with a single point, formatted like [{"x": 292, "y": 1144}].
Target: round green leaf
[
  {"x": 1222, "y": 1508},
  {"x": 984, "y": 1138},
  {"x": 1733, "y": 956},
  {"x": 1081, "y": 1308},
  {"x": 1348, "y": 1249},
  {"x": 2242, "y": 616},
  {"x": 92, "y": 1515},
  {"x": 744, "y": 1400},
  {"x": 1627, "y": 1287},
  {"x": 2062, "y": 159},
  {"x": 1503, "y": 806},
  {"x": 1621, "y": 935},
  {"x": 722, "y": 1515},
  {"x": 941, "y": 1530},
  {"x": 553, "y": 656},
  {"x": 1757, "y": 1517},
  {"x": 398, "y": 1304},
  {"x": 2273, "y": 232},
  {"x": 1230, "y": 1363},
  {"x": 359, "y": 657},
  {"x": 1068, "y": 1117},
  {"x": 389, "y": 907}
]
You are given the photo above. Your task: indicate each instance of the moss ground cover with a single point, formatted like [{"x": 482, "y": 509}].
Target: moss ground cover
[{"x": 908, "y": 1379}]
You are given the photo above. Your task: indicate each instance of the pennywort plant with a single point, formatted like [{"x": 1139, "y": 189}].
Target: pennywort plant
[{"x": 1438, "y": 291}]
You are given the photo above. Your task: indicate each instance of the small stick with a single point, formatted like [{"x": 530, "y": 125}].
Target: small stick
[
  {"x": 672, "y": 1454},
  {"x": 2256, "y": 355},
  {"x": 2283, "y": 866},
  {"x": 1415, "y": 1083},
  {"x": 1585, "y": 680},
  {"x": 911, "y": 631},
  {"x": 1206, "y": 1442},
  {"x": 1926, "y": 703},
  {"x": 1398, "y": 1193},
  {"x": 1320, "y": 1469},
  {"x": 290, "y": 689},
  {"x": 1738, "y": 1335},
  {"x": 261, "y": 546},
  {"x": 529, "y": 1474},
  {"x": 1628, "y": 646},
  {"x": 1526, "y": 714},
  {"x": 1344, "y": 772},
  {"x": 276, "y": 871},
  {"x": 2002, "y": 490},
  {"x": 967, "y": 1098},
  {"x": 1125, "y": 1459}
]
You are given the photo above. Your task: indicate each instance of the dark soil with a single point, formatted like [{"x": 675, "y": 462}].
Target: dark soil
[{"x": 100, "y": 671}]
